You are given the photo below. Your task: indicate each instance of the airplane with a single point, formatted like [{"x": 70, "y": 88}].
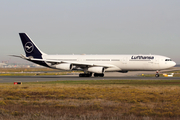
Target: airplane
[{"x": 95, "y": 65}]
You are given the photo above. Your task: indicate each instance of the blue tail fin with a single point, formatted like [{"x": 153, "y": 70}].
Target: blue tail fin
[{"x": 30, "y": 48}]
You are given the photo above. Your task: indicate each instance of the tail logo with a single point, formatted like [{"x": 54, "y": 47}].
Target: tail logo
[{"x": 29, "y": 47}]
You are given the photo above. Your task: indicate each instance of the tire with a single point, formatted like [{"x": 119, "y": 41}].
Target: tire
[
  {"x": 98, "y": 75},
  {"x": 95, "y": 75},
  {"x": 157, "y": 75},
  {"x": 80, "y": 75},
  {"x": 85, "y": 75},
  {"x": 90, "y": 74},
  {"x": 102, "y": 75}
]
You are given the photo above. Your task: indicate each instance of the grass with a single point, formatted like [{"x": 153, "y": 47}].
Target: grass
[
  {"x": 32, "y": 71},
  {"x": 93, "y": 99},
  {"x": 114, "y": 82},
  {"x": 33, "y": 74},
  {"x": 26, "y": 69}
]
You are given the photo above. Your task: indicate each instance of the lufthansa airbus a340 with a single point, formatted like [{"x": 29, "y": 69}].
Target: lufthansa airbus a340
[{"x": 94, "y": 64}]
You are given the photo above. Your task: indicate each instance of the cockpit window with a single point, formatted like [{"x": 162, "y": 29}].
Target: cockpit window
[{"x": 168, "y": 60}]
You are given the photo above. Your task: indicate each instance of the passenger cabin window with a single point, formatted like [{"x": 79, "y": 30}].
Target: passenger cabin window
[{"x": 168, "y": 60}]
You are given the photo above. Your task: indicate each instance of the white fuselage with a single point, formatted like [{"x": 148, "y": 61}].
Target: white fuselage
[
  {"x": 119, "y": 62},
  {"x": 94, "y": 64}
]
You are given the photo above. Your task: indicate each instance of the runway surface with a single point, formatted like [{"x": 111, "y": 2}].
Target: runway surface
[
  {"x": 131, "y": 75},
  {"x": 11, "y": 79}
]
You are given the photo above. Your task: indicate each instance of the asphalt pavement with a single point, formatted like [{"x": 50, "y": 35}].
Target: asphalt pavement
[{"x": 12, "y": 79}]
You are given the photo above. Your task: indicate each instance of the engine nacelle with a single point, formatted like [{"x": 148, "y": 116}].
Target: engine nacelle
[
  {"x": 96, "y": 69},
  {"x": 64, "y": 66}
]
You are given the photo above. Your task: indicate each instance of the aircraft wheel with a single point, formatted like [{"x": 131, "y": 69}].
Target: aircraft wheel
[
  {"x": 102, "y": 75},
  {"x": 157, "y": 75},
  {"x": 90, "y": 74},
  {"x": 85, "y": 75},
  {"x": 98, "y": 75},
  {"x": 81, "y": 75},
  {"x": 95, "y": 75}
]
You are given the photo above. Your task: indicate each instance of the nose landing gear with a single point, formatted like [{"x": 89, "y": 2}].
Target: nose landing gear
[{"x": 157, "y": 74}]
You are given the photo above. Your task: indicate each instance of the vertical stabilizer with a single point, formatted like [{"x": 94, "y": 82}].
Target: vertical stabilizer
[{"x": 29, "y": 46}]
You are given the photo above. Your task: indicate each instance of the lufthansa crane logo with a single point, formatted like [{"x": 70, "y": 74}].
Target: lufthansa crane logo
[{"x": 29, "y": 47}]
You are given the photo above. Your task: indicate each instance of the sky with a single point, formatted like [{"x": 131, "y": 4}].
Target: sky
[{"x": 91, "y": 27}]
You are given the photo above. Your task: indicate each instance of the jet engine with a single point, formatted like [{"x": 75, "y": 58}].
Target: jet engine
[
  {"x": 64, "y": 66},
  {"x": 96, "y": 69}
]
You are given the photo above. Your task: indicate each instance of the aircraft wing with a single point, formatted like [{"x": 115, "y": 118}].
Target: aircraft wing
[
  {"x": 74, "y": 63},
  {"x": 59, "y": 62}
]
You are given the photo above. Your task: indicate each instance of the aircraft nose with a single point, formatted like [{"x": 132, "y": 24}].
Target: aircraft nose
[{"x": 173, "y": 63}]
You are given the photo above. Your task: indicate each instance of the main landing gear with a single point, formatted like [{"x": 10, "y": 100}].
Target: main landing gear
[
  {"x": 157, "y": 74},
  {"x": 90, "y": 75},
  {"x": 98, "y": 75},
  {"x": 85, "y": 74}
]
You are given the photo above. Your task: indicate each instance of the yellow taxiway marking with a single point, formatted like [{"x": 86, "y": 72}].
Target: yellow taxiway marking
[{"x": 1, "y": 79}]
